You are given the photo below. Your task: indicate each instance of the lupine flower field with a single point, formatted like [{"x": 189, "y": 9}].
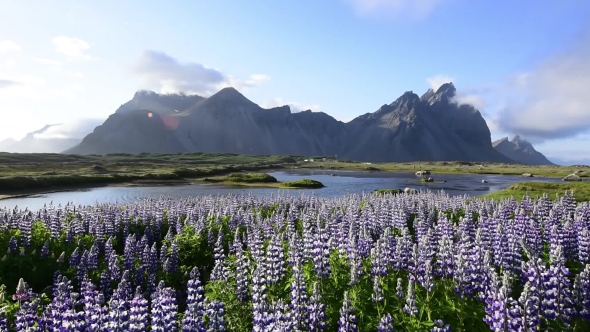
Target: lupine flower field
[{"x": 409, "y": 262}]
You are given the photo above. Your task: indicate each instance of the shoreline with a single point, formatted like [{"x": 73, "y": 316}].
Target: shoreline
[{"x": 202, "y": 181}]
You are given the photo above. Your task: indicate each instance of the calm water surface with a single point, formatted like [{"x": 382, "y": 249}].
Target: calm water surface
[{"x": 344, "y": 182}]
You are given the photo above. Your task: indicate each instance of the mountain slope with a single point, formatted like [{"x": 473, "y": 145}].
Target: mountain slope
[
  {"x": 31, "y": 143},
  {"x": 431, "y": 127},
  {"x": 520, "y": 151}
]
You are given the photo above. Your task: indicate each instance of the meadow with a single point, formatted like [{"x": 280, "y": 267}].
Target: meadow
[{"x": 404, "y": 262}]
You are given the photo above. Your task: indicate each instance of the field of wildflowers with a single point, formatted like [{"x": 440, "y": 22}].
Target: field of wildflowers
[{"x": 423, "y": 262}]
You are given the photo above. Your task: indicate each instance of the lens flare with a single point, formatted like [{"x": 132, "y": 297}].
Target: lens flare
[{"x": 150, "y": 114}]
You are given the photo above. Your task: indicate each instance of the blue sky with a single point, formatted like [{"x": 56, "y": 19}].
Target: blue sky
[{"x": 524, "y": 64}]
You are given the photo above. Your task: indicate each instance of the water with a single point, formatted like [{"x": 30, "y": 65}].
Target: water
[{"x": 344, "y": 182}]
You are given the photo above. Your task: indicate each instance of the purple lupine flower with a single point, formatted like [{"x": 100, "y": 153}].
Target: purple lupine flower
[
  {"x": 260, "y": 307},
  {"x": 316, "y": 309},
  {"x": 385, "y": 324},
  {"x": 582, "y": 292},
  {"x": 216, "y": 313},
  {"x": 12, "y": 245},
  {"x": 164, "y": 309},
  {"x": 377, "y": 295},
  {"x": 275, "y": 260},
  {"x": 558, "y": 301},
  {"x": 399, "y": 289},
  {"x": 500, "y": 315},
  {"x": 92, "y": 308},
  {"x": 129, "y": 253},
  {"x": 45, "y": 249},
  {"x": 299, "y": 311},
  {"x": 410, "y": 306},
  {"x": 530, "y": 315},
  {"x": 241, "y": 274},
  {"x": 281, "y": 317},
  {"x": 3, "y": 320},
  {"x": 440, "y": 326},
  {"x": 444, "y": 260},
  {"x": 321, "y": 254},
  {"x": 192, "y": 320},
  {"x": 171, "y": 265},
  {"x": 163, "y": 255},
  {"x": 347, "y": 321},
  {"x": 118, "y": 314},
  {"x": 138, "y": 312},
  {"x": 584, "y": 246},
  {"x": 220, "y": 270},
  {"x": 354, "y": 261}
]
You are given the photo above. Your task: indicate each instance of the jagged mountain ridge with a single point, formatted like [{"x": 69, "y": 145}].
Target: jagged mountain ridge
[
  {"x": 521, "y": 151},
  {"x": 411, "y": 128},
  {"x": 32, "y": 144}
]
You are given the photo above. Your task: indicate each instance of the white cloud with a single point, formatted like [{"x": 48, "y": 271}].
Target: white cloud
[
  {"x": 161, "y": 72},
  {"x": 8, "y": 83},
  {"x": 407, "y": 9},
  {"x": 10, "y": 63},
  {"x": 435, "y": 82},
  {"x": 73, "y": 48},
  {"x": 7, "y": 46},
  {"x": 467, "y": 97},
  {"x": 295, "y": 107},
  {"x": 48, "y": 62},
  {"x": 551, "y": 101},
  {"x": 77, "y": 129}
]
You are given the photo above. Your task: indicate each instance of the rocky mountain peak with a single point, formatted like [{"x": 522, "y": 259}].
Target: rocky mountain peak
[
  {"x": 447, "y": 89},
  {"x": 520, "y": 150}
]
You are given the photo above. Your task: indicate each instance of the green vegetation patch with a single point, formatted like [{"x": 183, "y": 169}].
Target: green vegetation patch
[
  {"x": 581, "y": 190},
  {"x": 303, "y": 183},
  {"x": 388, "y": 191},
  {"x": 244, "y": 178}
]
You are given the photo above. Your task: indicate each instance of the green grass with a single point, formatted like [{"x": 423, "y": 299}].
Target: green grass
[
  {"x": 303, "y": 183},
  {"x": 581, "y": 190},
  {"x": 453, "y": 167}
]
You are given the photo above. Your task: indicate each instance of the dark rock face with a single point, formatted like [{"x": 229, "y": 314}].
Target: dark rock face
[
  {"x": 159, "y": 103},
  {"x": 520, "y": 151},
  {"x": 427, "y": 128},
  {"x": 134, "y": 132},
  {"x": 411, "y": 128}
]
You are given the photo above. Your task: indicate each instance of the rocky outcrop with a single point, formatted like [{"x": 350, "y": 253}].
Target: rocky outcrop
[
  {"x": 428, "y": 128},
  {"x": 572, "y": 177},
  {"x": 520, "y": 151}
]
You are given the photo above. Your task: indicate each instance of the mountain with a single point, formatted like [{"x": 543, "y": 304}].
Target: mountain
[
  {"x": 520, "y": 151},
  {"x": 431, "y": 127},
  {"x": 31, "y": 143}
]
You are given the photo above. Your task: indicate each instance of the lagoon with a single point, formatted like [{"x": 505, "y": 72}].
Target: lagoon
[{"x": 337, "y": 183}]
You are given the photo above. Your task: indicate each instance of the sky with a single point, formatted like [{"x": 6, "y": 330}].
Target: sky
[{"x": 524, "y": 64}]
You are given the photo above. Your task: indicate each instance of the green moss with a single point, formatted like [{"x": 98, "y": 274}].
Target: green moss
[
  {"x": 581, "y": 190},
  {"x": 303, "y": 183}
]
